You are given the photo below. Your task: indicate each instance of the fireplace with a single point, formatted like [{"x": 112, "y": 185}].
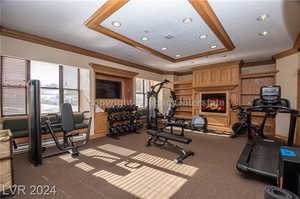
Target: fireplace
[{"x": 213, "y": 102}]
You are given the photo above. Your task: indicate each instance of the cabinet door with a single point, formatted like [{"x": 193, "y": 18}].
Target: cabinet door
[{"x": 100, "y": 123}]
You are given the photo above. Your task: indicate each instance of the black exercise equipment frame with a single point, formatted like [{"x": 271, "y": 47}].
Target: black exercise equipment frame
[
  {"x": 162, "y": 138},
  {"x": 257, "y": 142},
  {"x": 34, "y": 126},
  {"x": 152, "y": 122}
]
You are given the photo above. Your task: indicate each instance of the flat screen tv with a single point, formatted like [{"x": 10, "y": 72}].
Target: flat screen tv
[{"x": 107, "y": 89}]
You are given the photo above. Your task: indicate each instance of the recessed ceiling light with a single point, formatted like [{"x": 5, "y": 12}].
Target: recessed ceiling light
[
  {"x": 187, "y": 20},
  {"x": 262, "y": 17},
  {"x": 203, "y": 36},
  {"x": 213, "y": 46},
  {"x": 164, "y": 48},
  {"x": 116, "y": 24},
  {"x": 263, "y": 33},
  {"x": 144, "y": 38},
  {"x": 178, "y": 55}
]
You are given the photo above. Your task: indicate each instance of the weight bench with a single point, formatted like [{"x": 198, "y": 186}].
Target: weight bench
[{"x": 162, "y": 138}]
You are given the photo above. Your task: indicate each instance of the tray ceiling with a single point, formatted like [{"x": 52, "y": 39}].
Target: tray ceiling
[
  {"x": 64, "y": 21},
  {"x": 189, "y": 28}
]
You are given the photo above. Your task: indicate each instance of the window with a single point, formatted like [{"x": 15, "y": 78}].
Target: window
[
  {"x": 13, "y": 86},
  {"x": 59, "y": 84},
  {"x": 71, "y": 86},
  {"x": 48, "y": 74},
  {"x": 142, "y": 87}
]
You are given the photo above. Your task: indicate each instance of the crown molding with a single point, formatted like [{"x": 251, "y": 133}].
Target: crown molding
[
  {"x": 71, "y": 48},
  {"x": 293, "y": 50},
  {"x": 258, "y": 63}
]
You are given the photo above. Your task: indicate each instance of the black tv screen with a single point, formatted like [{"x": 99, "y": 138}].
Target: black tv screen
[{"x": 108, "y": 89}]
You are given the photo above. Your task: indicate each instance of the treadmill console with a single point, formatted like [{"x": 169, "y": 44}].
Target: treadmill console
[{"x": 270, "y": 94}]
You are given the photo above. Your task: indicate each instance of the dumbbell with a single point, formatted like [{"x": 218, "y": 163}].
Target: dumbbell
[
  {"x": 113, "y": 109},
  {"x": 108, "y": 109},
  {"x": 126, "y": 107},
  {"x": 120, "y": 108},
  {"x": 117, "y": 108},
  {"x": 124, "y": 117},
  {"x": 119, "y": 129},
  {"x": 113, "y": 130},
  {"x": 137, "y": 115},
  {"x": 128, "y": 116},
  {"x": 139, "y": 125},
  {"x": 132, "y": 127},
  {"x": 111, "y": 118},
  {"x": 131, "y": 117},
  {"x": 129, "y": 108},
  {"x": 125, "y": 128}
]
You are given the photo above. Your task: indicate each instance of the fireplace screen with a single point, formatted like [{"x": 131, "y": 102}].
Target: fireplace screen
[{"x": 215, "y": 103}]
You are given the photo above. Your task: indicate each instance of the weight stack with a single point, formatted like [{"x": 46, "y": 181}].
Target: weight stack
[{"x": 6, "y": 167}]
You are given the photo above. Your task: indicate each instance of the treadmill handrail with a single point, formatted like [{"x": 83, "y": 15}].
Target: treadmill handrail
[{"x": 280, "y": 109}]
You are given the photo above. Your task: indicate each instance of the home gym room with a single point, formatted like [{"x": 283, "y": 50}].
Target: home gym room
[{"x": 150, "y": 99}]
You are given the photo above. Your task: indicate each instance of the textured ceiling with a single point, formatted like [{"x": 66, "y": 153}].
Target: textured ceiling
[{"x": 64, "y": 21}]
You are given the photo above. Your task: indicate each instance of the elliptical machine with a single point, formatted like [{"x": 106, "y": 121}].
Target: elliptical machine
[{"x": 241, "y": 127}]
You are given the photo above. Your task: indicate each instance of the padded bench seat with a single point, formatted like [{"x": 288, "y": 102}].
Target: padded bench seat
[
  {"x": 160, "y": 138},
  {"x": 169, "y": 136},
  {"x": 19, "y": 126}
]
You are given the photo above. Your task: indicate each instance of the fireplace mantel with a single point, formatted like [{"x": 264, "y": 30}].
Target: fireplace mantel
[
  {"x": 217, "y": 78},
  {"x": 215, "y": 88}
]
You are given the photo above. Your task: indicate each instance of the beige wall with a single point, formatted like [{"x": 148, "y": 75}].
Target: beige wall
[
  {"x": 287, "y": 78},
  {"x": 31, "y": 51}
]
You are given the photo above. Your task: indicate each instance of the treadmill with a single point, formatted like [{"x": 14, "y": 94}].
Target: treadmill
[{"x": 261, "y": 154}]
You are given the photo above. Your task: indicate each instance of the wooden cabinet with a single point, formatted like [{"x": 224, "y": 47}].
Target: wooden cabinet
[
  {"x": 100, "y": 124},
  {"x": 226, "y": 74},
  {"x": 112, "y": 74}
]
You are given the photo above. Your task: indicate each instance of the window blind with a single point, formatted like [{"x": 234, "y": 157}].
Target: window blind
[{"x": 13, "y": 86}]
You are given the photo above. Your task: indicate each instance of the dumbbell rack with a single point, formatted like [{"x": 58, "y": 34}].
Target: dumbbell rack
[{"x": 122, "y": 120}]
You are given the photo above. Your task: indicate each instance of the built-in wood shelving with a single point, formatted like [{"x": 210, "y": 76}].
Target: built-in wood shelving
[
  {"x": 250, "y": 90},
  {"x": 183, "y": 91}
]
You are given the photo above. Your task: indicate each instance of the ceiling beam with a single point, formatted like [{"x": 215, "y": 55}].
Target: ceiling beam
[
  {"x": 297, "y": 43},
  {"x": 206, "y": 12},
  {"x": 71, "y": 48},
  {"x": 293, "y": 50}
]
